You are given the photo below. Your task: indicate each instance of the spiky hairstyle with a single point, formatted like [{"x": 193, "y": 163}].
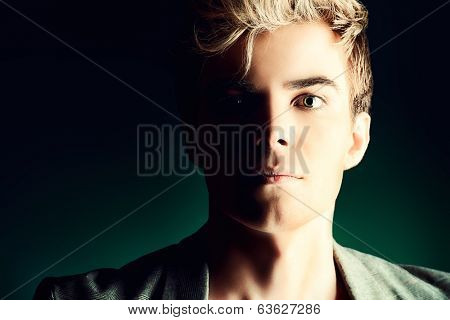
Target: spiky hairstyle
[{"x": 218, "y": 24}]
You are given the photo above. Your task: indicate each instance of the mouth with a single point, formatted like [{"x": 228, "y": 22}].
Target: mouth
[{"x": 278, "y": 177}]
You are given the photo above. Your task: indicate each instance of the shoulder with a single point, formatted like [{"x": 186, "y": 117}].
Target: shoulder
[
  {"x": 435, "y": 278},
  {"x": 139, "y": 279},
  {"x": 377, "y": 278}
]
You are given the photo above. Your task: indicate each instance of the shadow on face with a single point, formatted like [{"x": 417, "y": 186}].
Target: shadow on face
[{"x": 281, "y": 134}]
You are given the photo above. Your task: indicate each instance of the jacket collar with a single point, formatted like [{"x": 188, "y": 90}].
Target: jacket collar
[{"x": 361, "y": 281}]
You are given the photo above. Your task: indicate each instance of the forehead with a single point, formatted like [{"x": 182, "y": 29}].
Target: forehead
[{"x": 290, "y": 52}]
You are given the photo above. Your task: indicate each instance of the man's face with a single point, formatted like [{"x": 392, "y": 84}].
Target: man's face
[{"x": 297, "y": 89}]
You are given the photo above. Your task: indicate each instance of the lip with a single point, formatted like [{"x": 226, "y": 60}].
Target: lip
[{"x": 271, "y": 177}]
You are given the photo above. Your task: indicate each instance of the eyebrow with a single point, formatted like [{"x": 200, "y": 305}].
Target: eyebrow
[
  {"x": 309, "y": 82},
  {"x": 233, "y": 83},
  {"x": 292, "y": 84}
]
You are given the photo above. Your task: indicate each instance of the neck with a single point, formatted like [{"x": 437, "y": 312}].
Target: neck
[{"x": 249, "y": 264}]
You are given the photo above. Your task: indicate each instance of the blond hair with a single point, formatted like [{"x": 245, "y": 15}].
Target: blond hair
[{"x": 218, "y": 24}]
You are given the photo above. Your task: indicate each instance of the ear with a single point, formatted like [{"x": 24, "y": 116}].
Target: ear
[{"x": 359, "y": 140}]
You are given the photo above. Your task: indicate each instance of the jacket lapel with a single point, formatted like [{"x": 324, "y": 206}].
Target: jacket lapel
[{"x": 362, "y": 282}]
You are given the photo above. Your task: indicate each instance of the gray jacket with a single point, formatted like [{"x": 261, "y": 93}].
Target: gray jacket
[{"x": 179, "y": 271}]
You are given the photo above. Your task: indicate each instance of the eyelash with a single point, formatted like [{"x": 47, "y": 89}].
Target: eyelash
[
  {"x": 303, "y": 95},
  {"x": 232, "y": 99}
]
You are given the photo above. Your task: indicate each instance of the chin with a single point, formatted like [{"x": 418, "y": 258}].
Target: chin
[
  {"x": 276, "y": 214},
  {"x": 273, "y": 208}
]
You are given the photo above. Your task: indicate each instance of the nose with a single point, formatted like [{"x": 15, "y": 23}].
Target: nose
[
  {"x": 282, "y": 142},
  {"x": 279, "y": 136},
  {"x": 280, "y": 129},
  {"x": 275, "y": 136},
  {"x": 277, "y": 141}
]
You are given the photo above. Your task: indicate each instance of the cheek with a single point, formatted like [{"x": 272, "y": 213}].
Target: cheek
[
  {"x": 324, "y": 149},
  {"x": 324, "y": 157}
]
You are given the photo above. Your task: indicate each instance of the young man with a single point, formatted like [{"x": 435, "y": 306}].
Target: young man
[{"x": 299, "y": 70}]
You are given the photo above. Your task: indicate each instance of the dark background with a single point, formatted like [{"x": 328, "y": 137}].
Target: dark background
[{"x": 68, "y": 139}]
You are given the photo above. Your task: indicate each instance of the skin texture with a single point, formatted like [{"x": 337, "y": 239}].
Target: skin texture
[{"x": 274, "y": 240}]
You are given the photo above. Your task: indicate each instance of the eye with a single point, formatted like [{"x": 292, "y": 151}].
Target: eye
[
  {"x": 233, "y": 101},
  {"x": 308, "y": 101},
  {"x": 231, "y": 97},
  {"x": 237, "y": 100}
]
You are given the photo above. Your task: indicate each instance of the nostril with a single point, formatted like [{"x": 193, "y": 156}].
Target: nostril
[{"x": 282, "y": 142}]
